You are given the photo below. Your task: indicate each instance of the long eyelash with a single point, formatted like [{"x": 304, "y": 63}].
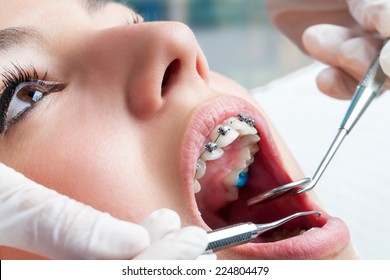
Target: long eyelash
[
  {"x": 136, "y": 18},
  {"x": 17, "y": 75},
  {"x": 12, "y": 78}
]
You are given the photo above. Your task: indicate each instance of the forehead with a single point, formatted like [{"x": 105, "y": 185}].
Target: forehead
[
  {"x": 15, "y": 13},
  {"x": 28, "y": 25},
  {"x": 58, "y": 18}
]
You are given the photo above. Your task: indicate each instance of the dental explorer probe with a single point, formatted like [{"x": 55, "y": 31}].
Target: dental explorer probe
[
  {"x": 241, "y": 233},
  {"x": 366, "y": 91}
]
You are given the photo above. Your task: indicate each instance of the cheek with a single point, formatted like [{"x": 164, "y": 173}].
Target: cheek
[
  {"x": 73, "y": 160},
  {"x": 224, "y": 85},
  {"x": 102, "y": 164}
]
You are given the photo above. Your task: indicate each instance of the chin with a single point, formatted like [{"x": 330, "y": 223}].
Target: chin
[{"x": 209, "y": 179}]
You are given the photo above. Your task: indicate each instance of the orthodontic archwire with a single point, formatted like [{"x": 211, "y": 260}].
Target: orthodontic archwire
[{"x": 224, "y": 130}]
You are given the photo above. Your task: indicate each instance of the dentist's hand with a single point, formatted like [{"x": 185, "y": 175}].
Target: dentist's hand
[
  {"x": 343, "y": 34},
  {"x": 36, "y": 219}
]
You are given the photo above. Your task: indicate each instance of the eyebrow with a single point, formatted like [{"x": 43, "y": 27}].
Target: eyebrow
[
  {"x": 93, "y": 6},
  {"x": 15, "y": 36}
]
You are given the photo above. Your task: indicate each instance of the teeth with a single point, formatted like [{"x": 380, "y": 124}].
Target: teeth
[
  {"x": 200, "y": 169},
  {"x": 240, "y": 168},
  {"x": 242, "y": 127},
  {"x": 249, "y": 140},
  {"x": 254, "y": 149},
  {"x": 250, "y": 161},
  {"x": 224, "y": 135},
  {"x": 240, "y": 165},
  {"x": 250, "y": 122},
  {"x": 196, "y": 186},
  {"x": 211, "y": 147},
  {"x": 223, "y": 130},
  {"x": 307, "y": 230},
  {"x": 241, "y": 117},
  {"x": 310, "y": 229},
  {"x": 213, "y": 155},
  {"x": 284, "y": 234},
  {"x": 245, "y": 154},
  {"x": 230, "y": 180}
]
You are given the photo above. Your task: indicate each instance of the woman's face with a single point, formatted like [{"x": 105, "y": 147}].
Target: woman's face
[{"x": 116, "y": 113}]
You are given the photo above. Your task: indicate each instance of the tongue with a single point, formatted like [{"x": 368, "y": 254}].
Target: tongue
[{"x": 218, "y": 184}]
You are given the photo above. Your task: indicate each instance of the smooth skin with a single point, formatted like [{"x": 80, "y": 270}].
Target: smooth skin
[{"x": 110, "y": 137}]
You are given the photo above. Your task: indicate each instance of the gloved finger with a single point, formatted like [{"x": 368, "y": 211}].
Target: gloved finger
[
  {"x": 384, "y": 59},
  {"x": 346, "y": 53},
  {"x": 336, "y": 83},
  {"x": 185, "y": 244},
  {"x": 374, "y": 15},
  {"x": 339, "y": 46},
  {"x": 356, "y": 55},
  {"x": 161, "y": 223},
  {"x": 292, "y": 17},
  {"x": 323, "y": 41},
  {"x": 36, "y": 219}
]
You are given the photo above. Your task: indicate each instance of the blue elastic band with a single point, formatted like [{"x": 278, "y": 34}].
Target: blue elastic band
[{"x": 242, "y": 180}]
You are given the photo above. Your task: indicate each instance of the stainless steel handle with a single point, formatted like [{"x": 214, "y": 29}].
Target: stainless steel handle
[{"x": 231, "y": 236}]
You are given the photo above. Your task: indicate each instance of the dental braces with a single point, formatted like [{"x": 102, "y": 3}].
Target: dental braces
[{"x": 223, "y": 130}]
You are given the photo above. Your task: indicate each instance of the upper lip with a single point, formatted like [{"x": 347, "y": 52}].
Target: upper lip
[{"x": 333, "y": 233}]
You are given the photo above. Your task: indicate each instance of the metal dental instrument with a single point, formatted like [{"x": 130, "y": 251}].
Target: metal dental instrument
[
  {"x": 366, "y": 91},
  {"x": 242, "y": 233}
]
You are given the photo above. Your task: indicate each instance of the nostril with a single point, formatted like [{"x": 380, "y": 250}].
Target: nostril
[
  {"x": 172, "y": 68},
  {"x": 202, "y": 68}
]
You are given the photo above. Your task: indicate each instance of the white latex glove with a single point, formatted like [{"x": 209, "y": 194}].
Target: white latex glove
[
  {"x": 293, "y": 17},
  {"x": 39, "y": 220},
  {"x": 169, "y": 243},
  {"x": 340, "y": 33}
]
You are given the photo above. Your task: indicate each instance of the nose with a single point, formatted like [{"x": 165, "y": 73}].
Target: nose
[{"x": 147, "y": 60}]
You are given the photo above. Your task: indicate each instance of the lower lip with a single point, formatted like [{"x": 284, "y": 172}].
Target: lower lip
[
  {"x": 320, "y": 243},
  {"x": 316, "y": 244}
]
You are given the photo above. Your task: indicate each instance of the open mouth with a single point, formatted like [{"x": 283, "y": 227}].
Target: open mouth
[{"x": 234, "y": 159}]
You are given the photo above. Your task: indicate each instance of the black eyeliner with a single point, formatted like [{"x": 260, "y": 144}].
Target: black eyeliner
[
  {"x": 5, "y": 100},
  {"x": 12, "y": 79}
]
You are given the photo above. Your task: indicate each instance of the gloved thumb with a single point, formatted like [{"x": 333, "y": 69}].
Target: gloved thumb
[
  {"x": 373, "y": 15},
  {"x": 184, "y": 244},
  {"x": 169, "y": 241},
  {"x": 36, "y": 219}
]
